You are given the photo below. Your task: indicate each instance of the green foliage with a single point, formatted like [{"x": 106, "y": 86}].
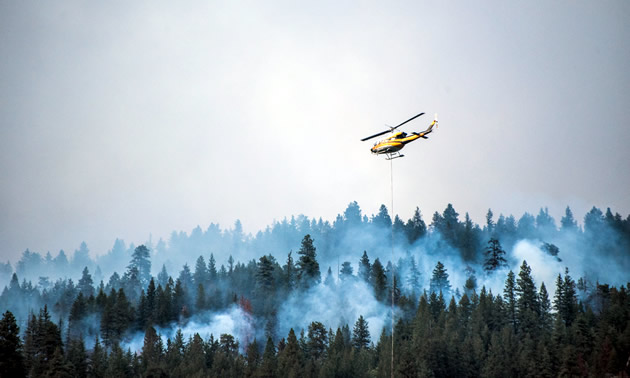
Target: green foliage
[
  {"x": 11, "y": 358},
  {"x": 308, "y": 267}
]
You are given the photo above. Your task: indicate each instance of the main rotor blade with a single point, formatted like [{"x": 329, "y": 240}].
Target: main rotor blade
[
  {"x": 391, "y": 128},
  {"x": 410, "y": 119},
  {"x": 375, "y": 135}
]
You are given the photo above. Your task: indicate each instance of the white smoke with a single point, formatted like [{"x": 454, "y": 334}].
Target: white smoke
[
  {"x": 334, "y": 306},
  {"x": 233, "y": 321}
]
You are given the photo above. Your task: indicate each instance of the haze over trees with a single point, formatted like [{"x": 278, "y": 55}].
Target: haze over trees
[{"x": 467, "y": 303}]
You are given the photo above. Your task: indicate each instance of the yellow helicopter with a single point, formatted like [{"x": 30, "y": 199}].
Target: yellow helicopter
[{"x": 392, "y": 145}]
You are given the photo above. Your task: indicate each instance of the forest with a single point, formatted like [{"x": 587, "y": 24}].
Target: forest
[{"x": 306, "y": 297}]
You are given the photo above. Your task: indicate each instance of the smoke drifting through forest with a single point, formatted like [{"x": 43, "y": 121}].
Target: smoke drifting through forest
[{"x": 342, "y": 296}]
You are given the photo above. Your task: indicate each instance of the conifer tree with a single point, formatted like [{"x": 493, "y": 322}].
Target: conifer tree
[
  {"x": 527, "y": 304},
  {"x": 290, "y": 273},
  {"x": 413, "y": 276},
  {"x": 346, "y": 271},
  {"x": 97, "y": 363},
  {"x": 439, "y": 280},
  {"x": 141, "y": 260},
  {"x": 212, "y": 269},
  {"x": 416, "y": 228},
  {"x": 365, "y": 268},
  {"x": 568, "y": 223},
  {"x": 509, "y": 294},
  {"x": 200, "y": 277},
  {"x": 308, "y": 267},
  {"x": 201, "y": 302},
  {"x": 76, "y": 356},
  {"x": 495, "y": 256},
  {"x": 317, "y": 340},
  {"x": 361, "y": 334},
  {"x": 265, "y": 275},
  {"x": 379, "y": 280},
  {"x": 290, "y": 357},
  {"x": 162, "y": 277},
  {"x": 269, "y": 362},
  {"x": 11, "y": 359},
  {"x": 85, "y": 284},
  {"x": 152, "y": 353}
]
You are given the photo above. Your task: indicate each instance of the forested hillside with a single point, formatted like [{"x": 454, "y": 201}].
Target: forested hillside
[{"x": 311, "y": 298}]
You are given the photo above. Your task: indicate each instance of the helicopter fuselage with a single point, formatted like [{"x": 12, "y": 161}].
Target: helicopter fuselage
[{"x": 394, "y": 143}]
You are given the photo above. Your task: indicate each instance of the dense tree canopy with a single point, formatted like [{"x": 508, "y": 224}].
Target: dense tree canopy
[{"x": 442, "y": 328}]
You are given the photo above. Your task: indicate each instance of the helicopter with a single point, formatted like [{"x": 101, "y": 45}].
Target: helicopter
[{"x": 391, "y": 146}]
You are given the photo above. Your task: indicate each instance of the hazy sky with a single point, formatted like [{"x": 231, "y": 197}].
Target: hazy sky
[{"x": 129, "y": 118}]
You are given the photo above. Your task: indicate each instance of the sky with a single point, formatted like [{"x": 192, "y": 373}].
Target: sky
[{"x": 133, "y": 119}]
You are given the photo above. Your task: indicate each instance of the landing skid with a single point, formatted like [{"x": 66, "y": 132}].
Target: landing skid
[{"x": 394, "y": 155}]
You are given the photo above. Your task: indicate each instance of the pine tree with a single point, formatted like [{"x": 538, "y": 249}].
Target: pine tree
[
  {"x": 85, "y": 284},
  {"x": 253, "y": 358},
  {"x": 201, "y": 302},
  {"x": 11, "y": 359},
  {"x": 308, "y": 267},
  {"x": 77, "y": 358},
  {"x": 509, "y": 294},
  {"x": 317, "y": 341},
  {"x": 212, "y": 269},
  {"x": 200, "y": 277},
  {"x": 565, "y": 299},
  {"x": 290, "y": 357},
  {"x": 151, "y": 299},
  {"x": 97, "y": 363},
  {"x": 545, "y": 319},
  {"x": 361, "y": 334},
  {"x": 490, "y": 225},
  {"x": 365, "y": 268},
  {"x": 379, "y": 280},
  {"x": 439, "y": 281},
  {"x": 152, "y": 353},
  {"x": 382, "y": 220},
  {"x": 162, "y": 277},
  {"x": 141, "y": 260},
  {"x": 527, "y": 305},
  {"x": 413, "y": 277},
  {"x": 568, "y": 223},
  {"x": 290, "y": 273},
  {"x": 269, "y": 362},
  {"x": 265, "y": 275},
  {"x": 346, "y": 271},
  {"x": 118, "y": 363},
  {"x": 416, "y": 228},
  {"x": 495, "y": 256}
]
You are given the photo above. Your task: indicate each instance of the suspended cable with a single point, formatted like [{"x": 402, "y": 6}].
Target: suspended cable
[{"x": 391, "y": 170}]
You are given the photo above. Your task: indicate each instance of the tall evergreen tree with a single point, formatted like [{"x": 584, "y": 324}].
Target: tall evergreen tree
[
  {"x": 509, "y": 294},
  {"x": 212, "y": 268},
  {"x": 308, "y": 267},
  {"x": 97, "y": 363},
  {"x": 141, "y": 260},
  {"x": 290, "y": 274},
  {"x": 361, "y": 334},
  {"x": 11, "y": 359},
  {"x": 416, "y": 228},
  {"x": 439, "y": 280},
  {"x": 268, "y": 366},
  {"x": 568, "y": 222},
  {"x": 365, "y": 268},
  {"x": 162, "y": 277},
  {"x": 379, "y": 280},
  {"x": 527, "y": 304},
  {"x": 346, "y": 271},
  {"x": 85, "y": 284},
  {"x": 200, "y": 277},
  {"x": 495, "y": 256}
]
